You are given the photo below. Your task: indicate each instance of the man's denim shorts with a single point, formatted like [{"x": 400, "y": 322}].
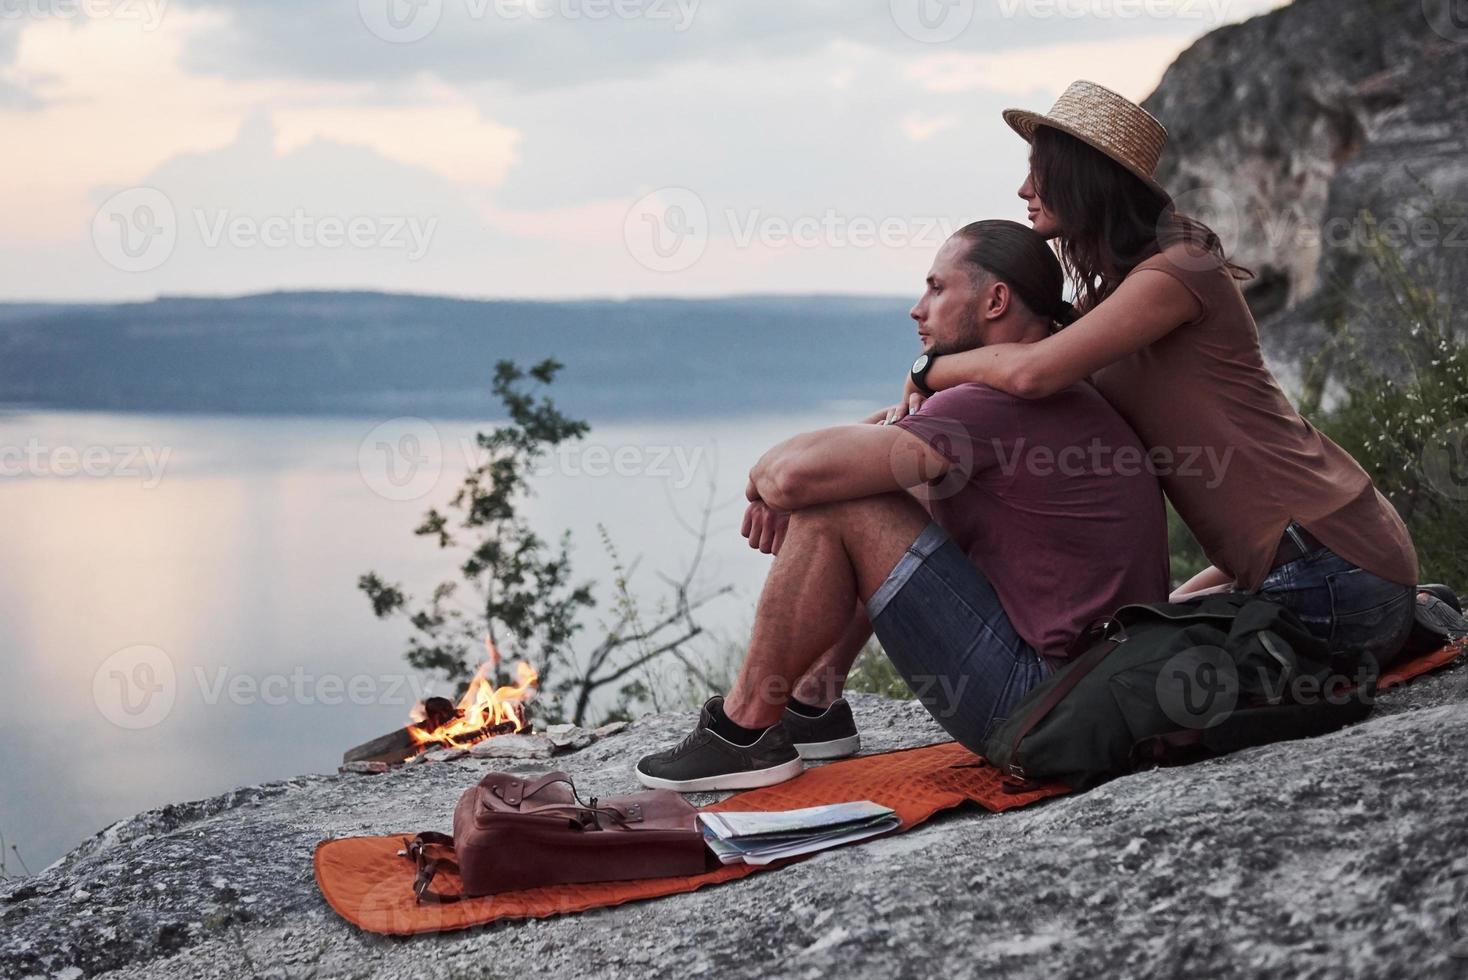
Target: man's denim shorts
[{"x": 945, "y": 631}]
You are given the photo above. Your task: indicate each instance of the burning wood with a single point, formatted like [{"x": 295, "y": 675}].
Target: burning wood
[{"x": 483, "y": 712}]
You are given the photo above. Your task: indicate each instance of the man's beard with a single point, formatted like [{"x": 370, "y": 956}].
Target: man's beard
[{"x": 970, "y": 334}]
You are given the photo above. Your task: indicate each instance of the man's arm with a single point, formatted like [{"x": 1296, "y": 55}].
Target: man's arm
[{"x": 843, "y": 463}]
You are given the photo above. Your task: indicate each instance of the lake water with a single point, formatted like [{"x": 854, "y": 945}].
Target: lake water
[{"x": 178, "y": 604}]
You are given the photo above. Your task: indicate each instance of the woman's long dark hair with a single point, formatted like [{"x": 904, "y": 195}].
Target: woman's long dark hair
[
  {"x": 1019, "y": 257},
  {"x": 1110, "y": 220}
]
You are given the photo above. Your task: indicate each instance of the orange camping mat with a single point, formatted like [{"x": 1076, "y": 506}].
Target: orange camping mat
[
  {"x": 370, "y": 884},
  {"x": 366, "y": 881},
  {"x": 1416, "y": 667}
]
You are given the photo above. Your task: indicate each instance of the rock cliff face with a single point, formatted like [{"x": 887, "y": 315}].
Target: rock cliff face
[
  {"x": 1285, "y": 127},
  {"x": 1342, "y": 856}
]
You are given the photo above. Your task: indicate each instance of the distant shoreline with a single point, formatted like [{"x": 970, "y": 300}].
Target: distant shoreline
[{"x": 353, "y": 355}]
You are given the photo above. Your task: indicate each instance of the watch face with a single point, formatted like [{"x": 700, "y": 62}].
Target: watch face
[{"x": 920, "y": 363}]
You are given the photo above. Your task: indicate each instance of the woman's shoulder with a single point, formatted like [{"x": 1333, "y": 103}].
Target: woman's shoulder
[
  {"x": 1203, "y": 273},
  {"x": 1188, "y": 261}
]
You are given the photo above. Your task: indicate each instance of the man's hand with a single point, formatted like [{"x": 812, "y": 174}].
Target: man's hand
[
  {"x": 886, "y": 416},
  {"x": 764, "y": 526},
  {"x": 912, "y": 400}
]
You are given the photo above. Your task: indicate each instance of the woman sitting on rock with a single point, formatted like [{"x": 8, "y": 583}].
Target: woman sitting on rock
[{"x": 1169, "y": 341}]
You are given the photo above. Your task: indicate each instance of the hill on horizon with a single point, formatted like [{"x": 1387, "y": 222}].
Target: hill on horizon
[{"x": 365, "y": 353}]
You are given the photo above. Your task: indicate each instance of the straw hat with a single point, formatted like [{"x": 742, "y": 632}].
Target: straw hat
[{"x": 1097, "y": 116}]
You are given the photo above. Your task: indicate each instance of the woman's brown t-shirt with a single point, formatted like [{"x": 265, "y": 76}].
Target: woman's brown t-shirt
[{"x": 1234, "y": 457}]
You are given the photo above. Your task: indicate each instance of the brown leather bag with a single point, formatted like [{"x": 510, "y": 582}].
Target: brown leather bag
[{"x": 511, "y": 834}]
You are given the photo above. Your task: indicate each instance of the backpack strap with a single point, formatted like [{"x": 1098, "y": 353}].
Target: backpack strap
[
  {"x": 516, "y": 791},
  {"x": 429, "y": 867},
  {"x": 1015, "y": 780}
]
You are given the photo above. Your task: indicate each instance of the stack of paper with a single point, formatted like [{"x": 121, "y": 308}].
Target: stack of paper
[{"x": 759, "y": 838}]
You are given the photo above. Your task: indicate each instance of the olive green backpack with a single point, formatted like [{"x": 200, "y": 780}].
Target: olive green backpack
[{"x": 1173, "y": 682}]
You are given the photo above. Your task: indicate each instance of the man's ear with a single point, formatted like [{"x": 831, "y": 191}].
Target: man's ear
[{"x": 996, "y": 300}]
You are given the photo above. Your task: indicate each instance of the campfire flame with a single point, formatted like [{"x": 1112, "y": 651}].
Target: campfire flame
[{"x": 483, "y": 711}]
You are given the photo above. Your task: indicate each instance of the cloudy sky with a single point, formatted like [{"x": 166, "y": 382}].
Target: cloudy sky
[{"x": 541, "y": 148}]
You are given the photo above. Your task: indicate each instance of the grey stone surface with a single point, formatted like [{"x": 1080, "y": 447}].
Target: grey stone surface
[
  {"x": 514, "y": 747},
  {"x": 569, "y": 737},
  {"x": 1343, "y": 856}
]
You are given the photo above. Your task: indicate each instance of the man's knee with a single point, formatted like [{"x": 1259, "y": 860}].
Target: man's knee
[
  {"x": 872, "y": 531},
  {"x": 822, "y": 516},
  {"x": 862, "y": 512}
]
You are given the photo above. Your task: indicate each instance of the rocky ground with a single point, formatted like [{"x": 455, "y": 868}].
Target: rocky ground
[{"x": 1343, "y": 856}]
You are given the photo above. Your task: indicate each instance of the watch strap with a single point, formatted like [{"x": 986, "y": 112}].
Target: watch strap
[{"x": 919, "y": 375}]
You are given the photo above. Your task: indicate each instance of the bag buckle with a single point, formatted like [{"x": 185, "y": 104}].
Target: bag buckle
[{"x": 1015, "y": 780}]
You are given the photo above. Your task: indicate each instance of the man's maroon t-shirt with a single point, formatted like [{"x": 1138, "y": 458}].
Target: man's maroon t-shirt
[{"x": 1054, "y": 501}]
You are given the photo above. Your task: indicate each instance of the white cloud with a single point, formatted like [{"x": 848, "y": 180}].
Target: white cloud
[
  {"x": 441, "y": 131},
  {"x": 1131, "y": 67},
  {"x": 115, "y": 108},
  {"x": 528, "y": 187},
  {"x": 920, "y": 128},
  {"x": 117, "y": 105},
  {"x": 574, "y": 42}
]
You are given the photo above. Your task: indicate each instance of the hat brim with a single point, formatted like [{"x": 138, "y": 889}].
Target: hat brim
[{"x": 1024, "y": 122}]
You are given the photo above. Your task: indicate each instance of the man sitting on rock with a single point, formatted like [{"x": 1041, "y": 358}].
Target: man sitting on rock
[{"x": 1038, "y": 517}]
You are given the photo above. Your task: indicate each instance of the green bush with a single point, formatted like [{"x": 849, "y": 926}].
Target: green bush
[
  {"x": 873, "y": 673},
  {"x": 1410, "y": 431},
  {"x": 1186, "y": 557}
]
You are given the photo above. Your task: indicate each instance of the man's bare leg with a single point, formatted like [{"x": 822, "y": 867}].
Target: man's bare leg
[
  {"x": 826, "y": 679},
  {"x": 833, "y": 557},
  {"x": 823, "y": 682}
]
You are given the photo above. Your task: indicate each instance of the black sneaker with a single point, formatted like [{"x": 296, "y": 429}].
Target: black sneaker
[
  {"x": 1444, "y": 593},
  {"x": 1440, "y": 610},
  {"x": 707, "y": 761},
  {"x": 830, "y": 735},
  {"x": 1438, "y": 620}
]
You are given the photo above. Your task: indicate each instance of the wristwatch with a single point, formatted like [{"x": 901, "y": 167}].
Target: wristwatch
[{"x": 920, "y": 369}]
